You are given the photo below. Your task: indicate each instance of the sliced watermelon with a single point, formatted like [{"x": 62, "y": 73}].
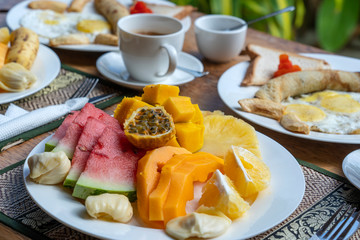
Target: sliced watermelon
[
  {"x": 89, "y": 136},
  {"x": 90, "y": 110},
  {"x": 60, "y": 132},
  {"x": 111, "y": 167},
  {"x": 70, "y": 140}
]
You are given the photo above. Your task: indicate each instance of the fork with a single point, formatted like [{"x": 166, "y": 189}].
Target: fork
[
  {"x": 85, "y": 88},
  {"x": 340, "y": 227}
]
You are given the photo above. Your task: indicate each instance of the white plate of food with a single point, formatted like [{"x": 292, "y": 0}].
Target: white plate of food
[
  {"x": 65, "y": 25},
  {"x": 111, "y": 66},
  {"x": 272, "y": 206},
  {"x": 351, "y": 167},
  {"x": 231, "y": 91},
  {"x": 46, "y": 67}
]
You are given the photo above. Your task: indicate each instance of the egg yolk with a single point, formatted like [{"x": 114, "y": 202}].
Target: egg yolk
[
  {"x": 306, "y": 113},
  {"x": 51, "y": 22},
  {"x": 318, "y": 95},
  {"x": 92, "y": 26},
  {"x": 49, "y": 19},
  {"x": 342, "y": 103}
]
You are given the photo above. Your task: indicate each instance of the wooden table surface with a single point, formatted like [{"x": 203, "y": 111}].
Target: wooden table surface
[{"x": 204, "y": 92}]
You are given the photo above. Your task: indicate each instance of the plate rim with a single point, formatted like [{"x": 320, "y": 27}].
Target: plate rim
[
  {"x": 140, "y": 85},
  {"x": 297, "y": 172},
  {"x": 316, "y": 136},
  {"x": 56, "y": 65}
]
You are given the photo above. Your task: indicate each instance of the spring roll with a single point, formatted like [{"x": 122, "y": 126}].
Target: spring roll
[
  {"x": 106, "y": 39},
  {"x": 70, "y": 39},
  {"x": 24, "y": 45},
  {"x": 112, "y": 10},
  {"x": 292, "y": 123},
  {"x": 59, "y": 7},
  {"x": 262, "y": 107},
  {"x": 77, "y": 5}
]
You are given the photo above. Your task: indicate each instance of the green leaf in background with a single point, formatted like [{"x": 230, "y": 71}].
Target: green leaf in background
[
  {"x": 284, "y": 20},
  {"x": 336, "y": 22},
  {"x": 299, "y": 13},
  {"x": 221, "y": 7}
]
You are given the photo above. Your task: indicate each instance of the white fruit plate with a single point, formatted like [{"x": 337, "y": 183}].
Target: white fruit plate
[{"x": 272, "y": 206}]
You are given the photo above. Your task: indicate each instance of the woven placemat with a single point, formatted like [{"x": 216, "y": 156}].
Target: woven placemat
[
  {"x": 63, "y": 86},
  {"x": 323, "y": 196}
]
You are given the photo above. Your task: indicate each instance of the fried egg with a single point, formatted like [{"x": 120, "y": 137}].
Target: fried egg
[
  {"x": 327, "y": 111},
  {"x": 50, "y": 24}
]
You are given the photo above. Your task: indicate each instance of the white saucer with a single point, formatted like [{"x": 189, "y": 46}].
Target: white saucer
[
  {"x": 351, "y": 167},
  {"x": 112, "y": 67}
]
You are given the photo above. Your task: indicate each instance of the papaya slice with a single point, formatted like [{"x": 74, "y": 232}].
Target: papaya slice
[
  {"x": 158, "y": 196},
  {"x": 182, "y": 185},
  {"x": 148, "y": 175},
  {"x": 175, "y": 186}
]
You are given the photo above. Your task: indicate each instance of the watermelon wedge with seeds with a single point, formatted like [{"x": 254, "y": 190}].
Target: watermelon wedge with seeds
[
  {"x": 111, "y": 167},
  {"x": 68, "y": 143},
  {"x": 60, "y": 132},
  {"x": 89, "y": 136}
]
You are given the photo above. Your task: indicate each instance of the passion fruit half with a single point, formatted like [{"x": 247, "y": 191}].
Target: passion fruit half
[{"x": 149, "y": 127}]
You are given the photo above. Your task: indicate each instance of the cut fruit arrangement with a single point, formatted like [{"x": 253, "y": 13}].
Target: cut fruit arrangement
[{"x": 153, "y": 151}]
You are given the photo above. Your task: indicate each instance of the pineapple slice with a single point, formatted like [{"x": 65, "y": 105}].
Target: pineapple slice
[
  {"x": 223, "y": 131},
  {"x": 249, "y": 174}
]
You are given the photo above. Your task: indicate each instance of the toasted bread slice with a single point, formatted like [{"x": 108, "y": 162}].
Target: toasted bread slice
[
  {"x": 178, "y": 12},
  {"x": 264, "y": 62}
]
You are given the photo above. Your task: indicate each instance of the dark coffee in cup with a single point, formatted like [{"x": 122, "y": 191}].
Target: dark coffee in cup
[{"x": 150, "y": 33}]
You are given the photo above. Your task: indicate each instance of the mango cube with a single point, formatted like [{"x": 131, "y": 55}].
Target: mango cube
[
  {"x": 198, "y": 117},
  {"x": 127, "y": 106},
  {"x": 173, "y": 142},
  {"x": 158, "y": 93},
  {"x": 190, "y": 135},
  {"x": 180, "y": 108}
]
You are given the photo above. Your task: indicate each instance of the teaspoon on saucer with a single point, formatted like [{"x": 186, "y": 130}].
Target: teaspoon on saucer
[{"x": 125, "y": 75}]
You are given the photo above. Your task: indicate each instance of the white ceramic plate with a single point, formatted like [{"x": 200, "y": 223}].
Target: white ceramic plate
[
  {"x": 272, "y": 206},
  {"x": 111, "y": 64},
  {"x": 19, "y": 10},
  {"x": 231, "y": 92},
  {"x": 351, "y": 167},
  {"x": 46, "y": 67}
]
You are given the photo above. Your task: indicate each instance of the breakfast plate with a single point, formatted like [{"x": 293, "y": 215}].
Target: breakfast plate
[
  {"x": 351, "y": 167},
  {"x": 231, "y": 91},
  {"x": 17, "y": 12},
  {"x": 46, "y": 67},
  {"x": 111, "y": 66},
  {"x": 272, "y": 206}
]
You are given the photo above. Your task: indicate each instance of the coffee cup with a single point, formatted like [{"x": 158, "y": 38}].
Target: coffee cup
[
  {"x": 218, "y": 38},
  {"x": 149, "y": 45}
]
